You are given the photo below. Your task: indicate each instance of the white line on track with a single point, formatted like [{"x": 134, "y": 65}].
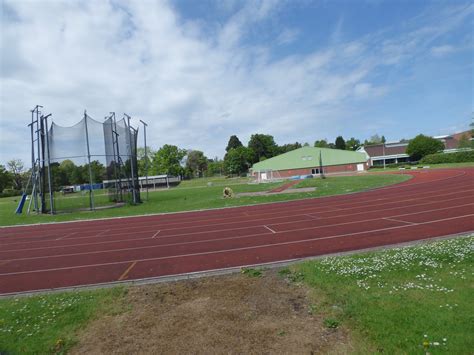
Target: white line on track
[
  {"x": 229, "y": 238},
  {"x": 271, "y": 230},
  {"x": 398, "y": 220},
  {"x": 267, "y": 219},
  {"x": 401, "y": 185},
  {"x": 154, "y": 235},
  {"x": 67, "y": 235},
  {"x": 225, "y": 230},
  {"x": 238, "y": 249}
]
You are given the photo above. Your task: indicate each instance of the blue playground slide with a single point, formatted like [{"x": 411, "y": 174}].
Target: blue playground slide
[{"x": 19, "y": 209}]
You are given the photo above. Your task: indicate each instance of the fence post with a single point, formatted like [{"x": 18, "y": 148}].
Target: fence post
[
  {"x": 49, "y": 166},
  {"x": 91, "y": 194}
]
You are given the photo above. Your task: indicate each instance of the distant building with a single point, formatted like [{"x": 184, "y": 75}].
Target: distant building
[
  {"x": 388, "y": 153},
  {"x": 306, "y": 161},
  {"x": 395, "y": 152}
]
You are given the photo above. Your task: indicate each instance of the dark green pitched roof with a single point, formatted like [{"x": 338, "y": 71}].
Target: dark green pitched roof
[{"x": 308, "y": 157}]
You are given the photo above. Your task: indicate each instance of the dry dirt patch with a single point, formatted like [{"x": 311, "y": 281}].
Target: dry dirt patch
[{"x": 234, "y": 314}]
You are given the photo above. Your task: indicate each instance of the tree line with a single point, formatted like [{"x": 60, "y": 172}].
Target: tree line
[{"x": 175, "y": 161}]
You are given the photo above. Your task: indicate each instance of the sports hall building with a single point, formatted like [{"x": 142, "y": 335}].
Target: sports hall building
[{"x": 308, "y": 161}]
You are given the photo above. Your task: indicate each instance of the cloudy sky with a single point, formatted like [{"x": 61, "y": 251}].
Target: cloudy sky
[{"x": 199, "y": 71}]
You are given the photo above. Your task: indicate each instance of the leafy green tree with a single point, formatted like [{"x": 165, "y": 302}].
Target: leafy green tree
[
  {"x": 288, "y": 147},
  {"x": 340, "y": 143},
  {"x": 262, "y": 145},
  {"x": 234, "y": 142},
  {"x": 323, "y": 143},
  {"x": 6, "y": 178},
  {"x": 352, "y": 144},
  {"x": 196, "y": 162},
  {"x": 142, "y": 162},
  {"x": 383, "y": 140},
  {"x": 237, "y": 160},
  {"x": 168, "y": 159},
  {"x": 16, "y": 168},
  {"x": 215, "y": 167},
  {"x": 423, "y": 145}
]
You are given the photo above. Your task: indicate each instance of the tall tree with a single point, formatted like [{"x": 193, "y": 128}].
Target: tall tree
[
  {"x": 383, "y": 140},
  {"x": 375, "y": 139},
  {"x": 423, "y": 145},
  {"x": 340, "y": 143},
  {"x": 352, "y": 144},
  {"x": 234, "y": 142},
  {"x": 288, "y": 147},
  {"x": 263, "y": 145},
  {"x": 16, "y": 168},
  {"x": 196, "y": 162},
  {"x": 168, "y": 159},
  {"x": 6, "y": 178},
  {"x": 323, "y": 143},
  {"x": 142, "y": 161},
  {"x": 237, "y": 160}
]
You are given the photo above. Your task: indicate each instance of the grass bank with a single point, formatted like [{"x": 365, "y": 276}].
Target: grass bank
[
  {"x": 400, "y": 301},
  {"x": 203, "y": 194},
  {"x": 48, "y": 323}
]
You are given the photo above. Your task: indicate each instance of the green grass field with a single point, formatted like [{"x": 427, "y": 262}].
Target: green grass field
[
  {"x": 400, "y": 301},
  {"x": 46, "y": 324},
  {"x": 197, "y": 194}
]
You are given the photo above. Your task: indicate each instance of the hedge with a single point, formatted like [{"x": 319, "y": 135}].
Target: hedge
[{"x": 440, "y": 158}]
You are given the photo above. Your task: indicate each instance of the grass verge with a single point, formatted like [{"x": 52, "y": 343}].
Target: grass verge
[
  {"x": 196, "y": 196},
  {"x": 48, "y": 323},
  {"x": 401, "y": 301}
]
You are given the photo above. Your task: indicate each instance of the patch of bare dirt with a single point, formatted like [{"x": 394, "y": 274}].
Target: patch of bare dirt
[{"x": 233, "y": 314}]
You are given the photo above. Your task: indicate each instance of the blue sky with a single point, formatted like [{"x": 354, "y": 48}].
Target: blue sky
[{"x": 200, "y": 71}]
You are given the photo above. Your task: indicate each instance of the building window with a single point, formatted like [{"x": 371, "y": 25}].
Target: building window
[{"x": 315, "y": 171}]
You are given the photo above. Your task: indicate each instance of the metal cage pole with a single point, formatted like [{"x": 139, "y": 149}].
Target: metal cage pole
[
  {"x": 91, "y": 194},
  {"x": 134, "y": 197},
  {"x": 146, "y": 158},
  {"x": 51, "y": 205},
  {"x": 117, "y": 163}
]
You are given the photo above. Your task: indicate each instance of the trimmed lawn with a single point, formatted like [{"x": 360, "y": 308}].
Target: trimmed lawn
[
  {"x": 48, "y": 323},
  {"x": 199, "y": 195},
  {"x": 400, "y": 301}
]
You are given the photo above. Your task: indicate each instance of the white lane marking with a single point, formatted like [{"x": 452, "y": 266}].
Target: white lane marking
[
  {"x": 64, "y": 236},
  {"x": 104, "y": 231},
  {"x": 311, "y": 216},
  {"x": 266, "y": 219},
  {"x": 219, "y": 239},
  {"x": 154, "y": 235},
  {"x": 430, "y": 193},
  {"x": 400, "y": 185},
  {"x": 237, "y": 249},
  {"x": 398, "y": 220},
  {"x": 271, "y": 230}
]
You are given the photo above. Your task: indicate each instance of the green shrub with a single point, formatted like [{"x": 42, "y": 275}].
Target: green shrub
[
  {"x": 10, "y": 193},
  {"x": 457, "y": 157}
]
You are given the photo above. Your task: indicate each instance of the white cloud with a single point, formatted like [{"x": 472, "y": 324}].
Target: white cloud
[
  {"x": 287, "y": 36},
  {"x": 441, "y": 51},
  {"x": 195, "y": 89}
]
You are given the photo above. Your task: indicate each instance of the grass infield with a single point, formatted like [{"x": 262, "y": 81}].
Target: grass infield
[
  {"x": 200, "y": 194},
  {"x": 408, "y": 300}
]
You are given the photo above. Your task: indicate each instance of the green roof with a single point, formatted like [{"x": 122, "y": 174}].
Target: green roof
[{"x": 308, "y": 157}]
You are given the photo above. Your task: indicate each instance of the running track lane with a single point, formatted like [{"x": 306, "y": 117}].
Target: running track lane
[{"x": 431, "y": 204}]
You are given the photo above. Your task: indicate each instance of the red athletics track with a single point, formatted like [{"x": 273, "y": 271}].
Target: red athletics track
[{"x": 431, "y": 204}]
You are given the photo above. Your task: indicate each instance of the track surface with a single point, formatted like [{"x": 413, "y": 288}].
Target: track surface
[{"x": 431, "y": 204}]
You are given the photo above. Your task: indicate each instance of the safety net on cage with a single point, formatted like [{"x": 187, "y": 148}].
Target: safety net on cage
[{"x": 91, "y": 164}]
